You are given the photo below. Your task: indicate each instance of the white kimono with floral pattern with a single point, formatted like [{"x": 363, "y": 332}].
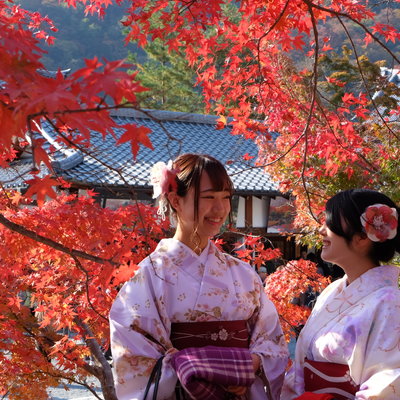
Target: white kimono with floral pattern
[
  {"x": 174, "y": 284},
  {"x": 357, "y": 325}
]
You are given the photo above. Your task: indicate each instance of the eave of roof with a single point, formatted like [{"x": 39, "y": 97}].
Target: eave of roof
[{"x": 173, "y": 133}]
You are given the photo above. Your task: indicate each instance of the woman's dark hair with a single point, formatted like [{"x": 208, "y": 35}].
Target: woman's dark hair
[
  {"x": 343, "y": 212},
  {"x": 191, "y": 166}
]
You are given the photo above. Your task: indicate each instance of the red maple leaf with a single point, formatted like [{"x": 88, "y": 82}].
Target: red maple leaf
[
  {"x": 247, "y": 157},
  {"x": 135, "y": 134},
  {"x": 42, "y": 187},
  {"x": 40, "y": 155},
  {"x": 221, "y": 122}
]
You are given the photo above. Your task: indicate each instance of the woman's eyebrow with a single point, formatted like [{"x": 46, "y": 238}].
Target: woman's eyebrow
[{"x": 213, "y": 190}]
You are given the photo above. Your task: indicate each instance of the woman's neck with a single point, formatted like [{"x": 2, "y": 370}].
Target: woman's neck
[
  {"x": 191, "y": 241},
  {"x": 357, "y": 267}
]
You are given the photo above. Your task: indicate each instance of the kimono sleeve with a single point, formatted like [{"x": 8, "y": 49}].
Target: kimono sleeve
[
  {"x": 267, "y": 340},
  {"x": 139, "y": 336},
  {"x": 381, "y": 370}
]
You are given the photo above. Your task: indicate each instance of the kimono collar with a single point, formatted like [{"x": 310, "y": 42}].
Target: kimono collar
[
  {"x": 373, "y": 279},
  {"x": 337, "y": 297},
  {"x": 340, "y": 296},
  {"x": 176, "y": 247}
]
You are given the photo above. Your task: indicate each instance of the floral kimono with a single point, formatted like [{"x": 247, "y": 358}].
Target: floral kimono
[
  {"x": 174, "y": 284},
  {"x": 357, "y": 325}
]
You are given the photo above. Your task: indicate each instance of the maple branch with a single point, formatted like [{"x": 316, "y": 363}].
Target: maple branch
[
  {"x": 341, "y": 14},
  {"x": 43, "y": 348},
  {"x": 84, "y": 150},
  {"x": 283, "y": 155},
  {"x": 164, "y": 129},
  {"x": 313, "y": 97},
  {"x": 363, "y": 78},
  {"x": 368, "y": 165},
  {"x": 106, "y": 376},
  {"x": 281, "y": 317},
  {"x": 4, "y": 397},
  {"x": 87, "y": 280},
  {"x": 98, "y": 108},
  {"x": 72, "y": 380},
  {"x": 51, "y": 243},
  {"x": 280, "y": 16}
]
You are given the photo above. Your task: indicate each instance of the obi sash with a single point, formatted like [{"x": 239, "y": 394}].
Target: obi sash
[
  {"x": 204, "y": 372},
  {"x": 326, "y": 377},
  {"x": 210, "y": 333}
]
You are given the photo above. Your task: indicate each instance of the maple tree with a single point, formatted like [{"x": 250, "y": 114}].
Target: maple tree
[
  {"x": 258, "y": 80},
  {"x": 66, "y": 259},
  {"x": 68, "y": 256}
]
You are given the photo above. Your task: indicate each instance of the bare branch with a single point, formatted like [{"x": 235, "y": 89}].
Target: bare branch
[{"x": 363, "y": 78}]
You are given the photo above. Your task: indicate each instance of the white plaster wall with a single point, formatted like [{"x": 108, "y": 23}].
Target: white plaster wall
[
  {"x": 259, "y": 212},
  {"x": 240, "y": 221}
]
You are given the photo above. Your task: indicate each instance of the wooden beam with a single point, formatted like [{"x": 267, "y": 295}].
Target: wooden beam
[{"x": 248, "y": 212}]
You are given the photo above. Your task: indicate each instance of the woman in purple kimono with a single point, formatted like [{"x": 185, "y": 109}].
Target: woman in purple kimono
[
  {"x": 191, "y": 301},
  {"x": 350, "y": 345}
]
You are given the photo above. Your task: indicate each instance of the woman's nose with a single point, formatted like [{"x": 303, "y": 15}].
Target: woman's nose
[
  {"x": 322, "y": 229},
  {"x": 219, "y": 205}
]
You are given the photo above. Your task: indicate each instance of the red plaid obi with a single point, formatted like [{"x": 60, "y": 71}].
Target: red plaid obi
[
  {"x": 210, "y": 333},
  {"x": 204, "y": 372},
  {"x": 326, "y": 377}
]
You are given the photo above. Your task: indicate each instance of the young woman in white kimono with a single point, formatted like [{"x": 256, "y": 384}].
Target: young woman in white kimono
[
  {"x": 188, "y": 281},
  {"x": 350, "y": 345}
]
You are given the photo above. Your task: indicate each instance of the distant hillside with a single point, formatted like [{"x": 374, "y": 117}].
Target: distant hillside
[{"x": 81, "y": 37}]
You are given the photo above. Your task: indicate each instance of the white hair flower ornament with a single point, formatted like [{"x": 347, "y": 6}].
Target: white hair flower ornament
[
  {"x": 380, "y": 222},
  {"x": 162, "y": 177}
]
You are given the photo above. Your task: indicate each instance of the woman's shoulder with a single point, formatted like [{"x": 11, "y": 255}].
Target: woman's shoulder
[
  {"x": 388, "y": 295},
  {"x": 233, "y": 261},
  {"x": 151, "y": 265},
  {"x": 161, "y": 251}
]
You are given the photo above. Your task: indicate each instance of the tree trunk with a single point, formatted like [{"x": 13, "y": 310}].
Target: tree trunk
[{"x": 104, "y": 372}]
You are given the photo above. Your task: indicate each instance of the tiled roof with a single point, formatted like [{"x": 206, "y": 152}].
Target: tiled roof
[
  {"x": 174, "y": 133},
  {"x": 392, "y": 75}
]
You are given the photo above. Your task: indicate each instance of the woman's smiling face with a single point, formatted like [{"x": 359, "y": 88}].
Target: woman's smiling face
[
  {"x": 213, "y": 209},
  {"x": 335, "y": 248}
]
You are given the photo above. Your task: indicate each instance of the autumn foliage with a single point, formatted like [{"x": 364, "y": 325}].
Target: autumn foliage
[
  {"x": 61, "y": 261},
  {"x": 242, "y": 57},
  {"x": 285, "y": 288},
  {"x": 54, "y": 304}
]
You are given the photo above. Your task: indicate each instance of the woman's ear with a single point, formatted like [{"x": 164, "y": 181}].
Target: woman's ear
[
  {"x": 362, "y": 243},
  {"x": 173, "y": 199}
]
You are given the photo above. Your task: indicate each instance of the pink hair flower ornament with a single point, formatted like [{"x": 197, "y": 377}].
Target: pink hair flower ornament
[
  {"x": 380, "y": 222},
  {"x": 162, "y": 177}
]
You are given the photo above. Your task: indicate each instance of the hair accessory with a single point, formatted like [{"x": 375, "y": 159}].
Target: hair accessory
[
  {"x": 380, "y": 222},
  {"x": 162, "y": 177}
]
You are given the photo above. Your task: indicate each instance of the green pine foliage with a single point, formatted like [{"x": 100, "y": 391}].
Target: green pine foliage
[
  {"x": 344, "y": 68},
  {"x": 170, "y": 80}
]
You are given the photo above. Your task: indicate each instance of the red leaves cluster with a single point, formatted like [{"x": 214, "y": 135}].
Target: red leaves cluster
[
  {"x": 254, "y": 251},
  {"x": 240, "y": 57},
  {"x": 286, "y": 285},
  {"x": 43, "y": 290},
  {"x": 78, "y": 103}
]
